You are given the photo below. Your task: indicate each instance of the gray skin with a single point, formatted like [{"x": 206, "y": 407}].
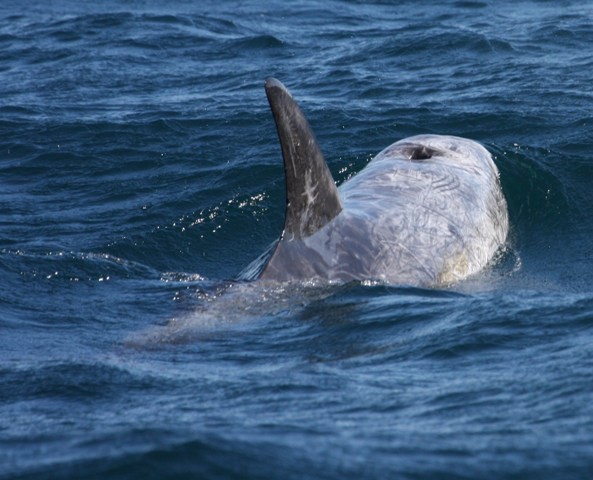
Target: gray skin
[{"x": 426, "y": 211}]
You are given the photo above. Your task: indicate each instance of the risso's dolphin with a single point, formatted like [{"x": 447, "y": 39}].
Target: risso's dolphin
[{"x": 426, "y": 211}]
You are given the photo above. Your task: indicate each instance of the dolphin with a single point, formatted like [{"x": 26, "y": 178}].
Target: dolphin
[{"x": 428, "y": 210}]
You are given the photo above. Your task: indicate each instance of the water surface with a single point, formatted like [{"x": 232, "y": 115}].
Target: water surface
[{"x": 140, "y": 171}]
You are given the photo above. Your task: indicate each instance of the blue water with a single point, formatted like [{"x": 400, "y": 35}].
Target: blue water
[{"x": 140, "y": 172}]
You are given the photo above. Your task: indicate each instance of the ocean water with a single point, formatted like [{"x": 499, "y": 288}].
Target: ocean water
[{"x": 140, "y": 173}]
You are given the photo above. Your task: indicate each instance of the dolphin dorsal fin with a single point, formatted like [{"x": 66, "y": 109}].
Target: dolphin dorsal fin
[{"x": 312, "y": 198}]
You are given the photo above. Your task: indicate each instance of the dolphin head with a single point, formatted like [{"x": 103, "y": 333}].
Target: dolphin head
[{"x": 442, "y": 151}]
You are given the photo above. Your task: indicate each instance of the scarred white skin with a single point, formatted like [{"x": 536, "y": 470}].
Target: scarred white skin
[{"x": 406, "y": 221}]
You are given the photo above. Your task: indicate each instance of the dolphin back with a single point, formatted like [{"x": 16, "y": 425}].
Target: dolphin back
[{"x": 427, "y": 210}]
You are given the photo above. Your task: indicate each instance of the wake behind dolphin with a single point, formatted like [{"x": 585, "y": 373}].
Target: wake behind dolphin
[{"x": 426, "y": 211}]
